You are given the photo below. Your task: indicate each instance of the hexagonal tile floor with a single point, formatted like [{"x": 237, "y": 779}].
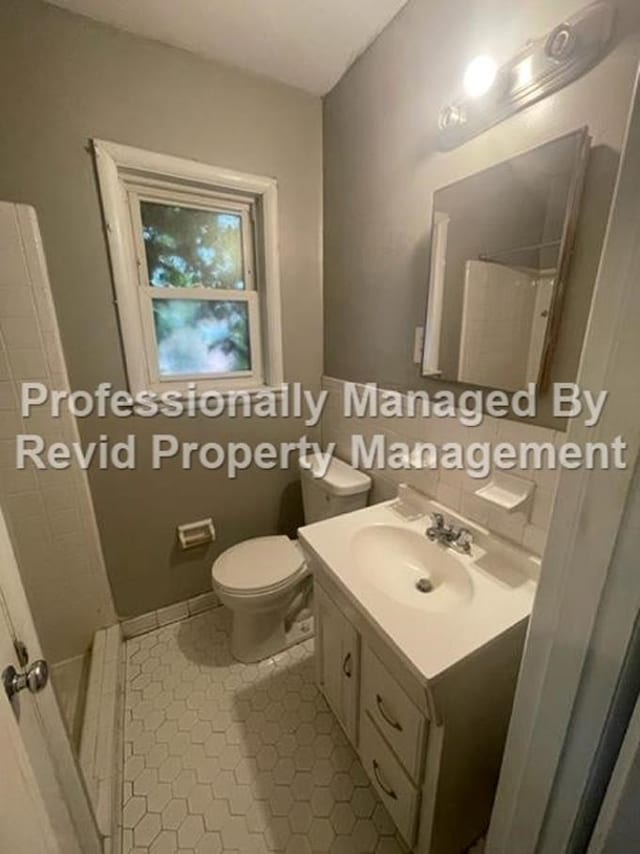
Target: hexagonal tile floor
[{"x": 241, "y": 759}]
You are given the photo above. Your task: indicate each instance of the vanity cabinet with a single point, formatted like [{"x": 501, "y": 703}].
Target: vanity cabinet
[
  {"x": 337, "y": 662},
  {"x": 431, "y": 750}
]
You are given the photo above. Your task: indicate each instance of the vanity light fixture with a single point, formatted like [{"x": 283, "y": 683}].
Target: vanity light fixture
[
  {"x": 480, "y": 76},
  {"x": 544, "y": 65}
]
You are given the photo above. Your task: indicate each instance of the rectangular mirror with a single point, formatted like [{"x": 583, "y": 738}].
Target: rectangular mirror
[{"x": 501, "y": 246}]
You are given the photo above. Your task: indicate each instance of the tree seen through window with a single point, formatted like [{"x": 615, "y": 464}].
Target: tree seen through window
[{"x": 189, "y": 247}]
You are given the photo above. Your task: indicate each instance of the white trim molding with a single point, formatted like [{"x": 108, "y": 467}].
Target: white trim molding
[{"x": 120, "y": 168}]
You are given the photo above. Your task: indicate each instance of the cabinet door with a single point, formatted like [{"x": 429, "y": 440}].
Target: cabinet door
[{"x": 338, "y": 652}]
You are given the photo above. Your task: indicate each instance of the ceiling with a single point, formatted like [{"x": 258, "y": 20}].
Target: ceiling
[{"x": 305, "y": 43}]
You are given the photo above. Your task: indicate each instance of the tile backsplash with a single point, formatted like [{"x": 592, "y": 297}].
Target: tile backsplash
[{"x": 456, "y": 489}]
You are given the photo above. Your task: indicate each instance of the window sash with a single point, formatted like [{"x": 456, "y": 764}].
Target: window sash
[
  {"x": 136, "y": 195},
  {"x": 146, "y": 298},
  {"x": 147, "y": 292}
]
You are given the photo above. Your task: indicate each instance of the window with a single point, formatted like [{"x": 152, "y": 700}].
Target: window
[{"x": 195, "y": 265}]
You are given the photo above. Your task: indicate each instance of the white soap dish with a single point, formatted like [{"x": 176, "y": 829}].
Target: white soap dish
[
  {"x": 507, "y": 491},
  {"x": 408, "y": 512}
]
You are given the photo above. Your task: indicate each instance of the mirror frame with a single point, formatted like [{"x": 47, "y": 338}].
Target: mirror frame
[{"x": 567, "y": 244}]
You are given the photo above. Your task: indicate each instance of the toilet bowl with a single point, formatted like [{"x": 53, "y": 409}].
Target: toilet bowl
[
  {"x": 259, "y": 581},
  {"x": 265, "y": 581}
]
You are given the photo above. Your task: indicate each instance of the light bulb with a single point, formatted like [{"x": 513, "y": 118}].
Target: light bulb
[{"x": 480, "y": 76}]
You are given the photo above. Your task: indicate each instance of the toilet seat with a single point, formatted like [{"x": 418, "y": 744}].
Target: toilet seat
[{"x": 259, "y": 566}]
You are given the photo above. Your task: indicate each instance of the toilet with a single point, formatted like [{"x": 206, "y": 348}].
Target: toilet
[{"x": 265, "y": 581}]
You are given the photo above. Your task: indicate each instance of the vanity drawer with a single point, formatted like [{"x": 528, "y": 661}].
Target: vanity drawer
[
  {"x": 389, "y": 779},
  {"x": 396, "y": 716}
]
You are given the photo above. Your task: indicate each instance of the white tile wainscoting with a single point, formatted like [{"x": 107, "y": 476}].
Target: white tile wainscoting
[
  {"x": 456, "y": 489},
  {"x": 49, "y": 513}
]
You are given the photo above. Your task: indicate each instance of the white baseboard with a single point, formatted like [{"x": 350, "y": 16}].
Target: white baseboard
[{"x": 170, "y": 614}]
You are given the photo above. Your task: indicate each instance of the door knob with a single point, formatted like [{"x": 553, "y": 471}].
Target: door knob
[{"x": 34, "y": 678}]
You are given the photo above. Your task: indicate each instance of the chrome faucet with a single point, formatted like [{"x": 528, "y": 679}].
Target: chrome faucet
[{"x": 442, "y": 532}]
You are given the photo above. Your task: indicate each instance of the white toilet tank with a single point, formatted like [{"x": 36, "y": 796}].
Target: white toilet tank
[{"x": 341, "y": 490}]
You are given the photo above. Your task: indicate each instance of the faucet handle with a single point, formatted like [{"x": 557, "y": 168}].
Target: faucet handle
[
  {"x": 463, "y": 540},
  {"x": 436, "y": 528}
]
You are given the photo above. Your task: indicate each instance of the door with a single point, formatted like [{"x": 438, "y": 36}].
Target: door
[
  {"x": 338, "y": 662},
  {"x": 43, "y": 803},
  {"x": 24, "y": 824}
]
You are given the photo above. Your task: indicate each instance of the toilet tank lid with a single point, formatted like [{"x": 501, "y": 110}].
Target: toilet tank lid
[{"x": 340, "y": 478}]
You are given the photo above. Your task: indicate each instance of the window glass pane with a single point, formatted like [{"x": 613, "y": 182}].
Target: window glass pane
[
  {"x": 201, "y": 336},
  {"x": 188, "y": 248}
]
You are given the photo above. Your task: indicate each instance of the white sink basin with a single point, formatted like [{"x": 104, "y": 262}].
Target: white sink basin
[
  {"x": 410, "y": 569},
  {"x": 377, "y": 556}
]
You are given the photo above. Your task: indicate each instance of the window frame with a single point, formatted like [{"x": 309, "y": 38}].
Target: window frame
[{"x": 128, "y": 175}]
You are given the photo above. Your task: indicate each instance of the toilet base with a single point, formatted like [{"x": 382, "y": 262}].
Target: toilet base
[{"x": 255, "y": 637}]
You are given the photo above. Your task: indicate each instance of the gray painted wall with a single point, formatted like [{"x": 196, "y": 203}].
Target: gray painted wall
[
  {"x": 382, "y": 168},
  {"x": 67, "y": 79}
]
